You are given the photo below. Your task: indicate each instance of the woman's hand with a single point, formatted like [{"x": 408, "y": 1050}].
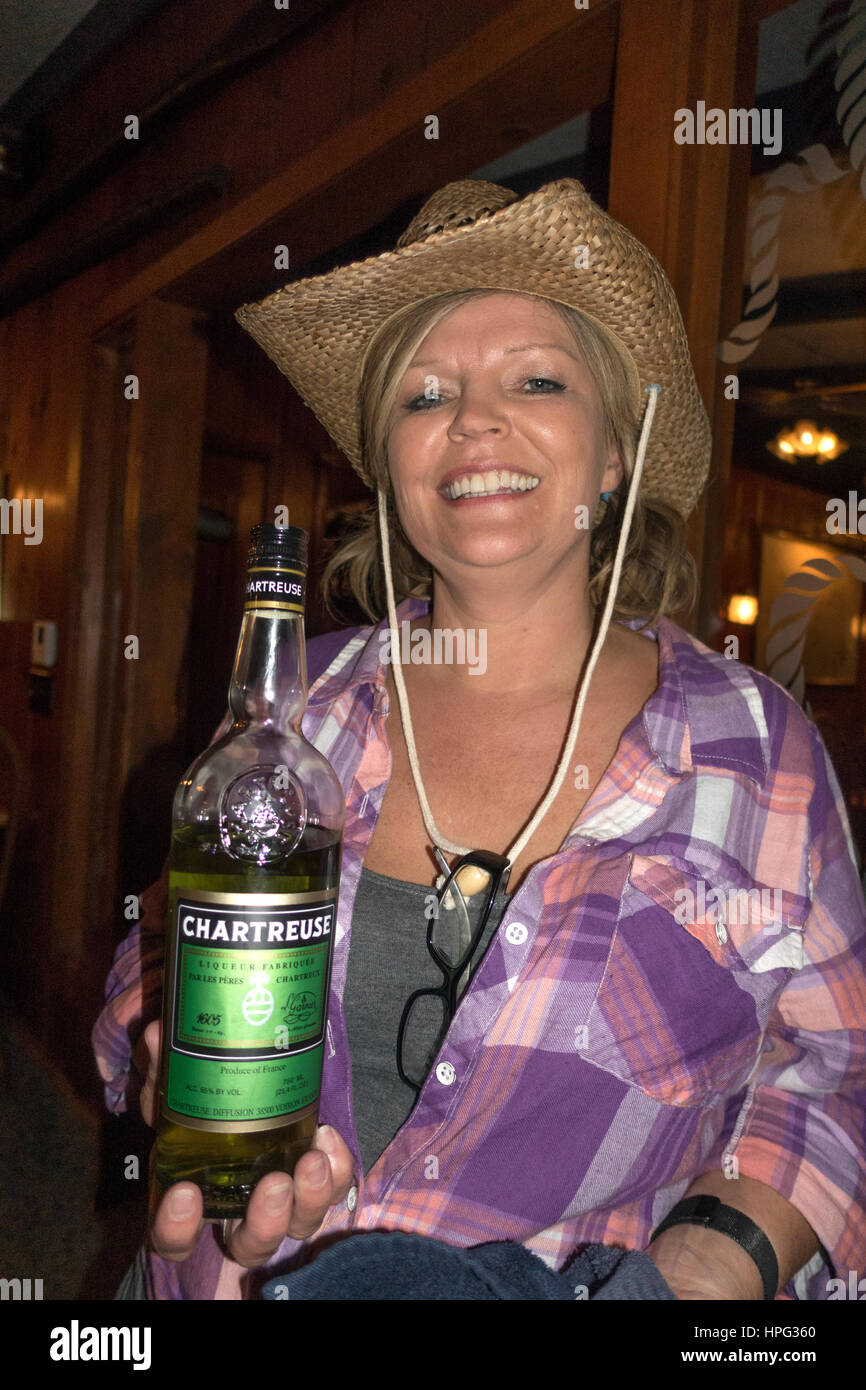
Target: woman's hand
[{"x": 280, "y": 1205}]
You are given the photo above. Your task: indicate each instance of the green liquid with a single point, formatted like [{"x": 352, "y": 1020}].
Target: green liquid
[{"x": 227, "y": 1165}]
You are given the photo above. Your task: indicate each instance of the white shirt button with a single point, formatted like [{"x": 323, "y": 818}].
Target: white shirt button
[
  {"x": 516, "y": 933},
  {"x": 721, "y": 933},
  {"x": 352, "y": 1198},
  {"x": 445, "y": 1073}
]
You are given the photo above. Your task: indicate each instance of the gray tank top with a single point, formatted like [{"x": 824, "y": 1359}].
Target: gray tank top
[{"x": 388, "y": 961}]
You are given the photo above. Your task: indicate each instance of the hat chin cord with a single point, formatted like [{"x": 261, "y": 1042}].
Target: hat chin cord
[{"x": 439, "y": 840}]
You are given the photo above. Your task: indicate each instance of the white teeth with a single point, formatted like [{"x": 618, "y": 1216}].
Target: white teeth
[{"x": 489, "y": 483}]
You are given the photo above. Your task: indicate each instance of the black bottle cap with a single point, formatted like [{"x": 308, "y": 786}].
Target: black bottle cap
[{"x": 288, "y": 544}]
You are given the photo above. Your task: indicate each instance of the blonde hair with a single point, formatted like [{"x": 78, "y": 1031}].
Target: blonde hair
[{"x": 658, "y": 573}]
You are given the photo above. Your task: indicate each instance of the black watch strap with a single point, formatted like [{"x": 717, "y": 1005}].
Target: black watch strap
[{"x": 710, "y": 1212}]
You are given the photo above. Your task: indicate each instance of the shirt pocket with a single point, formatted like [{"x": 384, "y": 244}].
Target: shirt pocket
[{"x": 694, "y": 968}]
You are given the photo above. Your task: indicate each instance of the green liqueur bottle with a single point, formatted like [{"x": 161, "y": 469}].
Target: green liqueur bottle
[{"x": 254, "y": 873}]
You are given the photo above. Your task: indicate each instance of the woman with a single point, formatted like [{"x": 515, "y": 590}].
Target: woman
[{"x": 623, "y": 1047}]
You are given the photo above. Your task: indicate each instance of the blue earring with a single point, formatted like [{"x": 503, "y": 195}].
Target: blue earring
[{"x": 606, "y": 496}]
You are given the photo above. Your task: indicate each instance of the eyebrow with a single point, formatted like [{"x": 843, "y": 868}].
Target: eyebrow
[{"x": 522, "y": 347}]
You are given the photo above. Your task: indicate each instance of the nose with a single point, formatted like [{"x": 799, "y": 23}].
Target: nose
[{"x": 478, "y": 412}]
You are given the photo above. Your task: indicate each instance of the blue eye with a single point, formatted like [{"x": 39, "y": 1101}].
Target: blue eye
[
  {"x": 424, "y": 402},
  {"x": 557, "y": 385}
]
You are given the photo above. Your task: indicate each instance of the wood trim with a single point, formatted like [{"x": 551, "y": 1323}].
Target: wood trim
[
  {"x": 461, "y": 76},
  {"x": 710, "y": 621},
  {"x": 688, "y": 202}
]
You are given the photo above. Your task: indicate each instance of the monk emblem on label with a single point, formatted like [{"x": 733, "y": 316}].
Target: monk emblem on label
[{"x": 258, "y": 1002}]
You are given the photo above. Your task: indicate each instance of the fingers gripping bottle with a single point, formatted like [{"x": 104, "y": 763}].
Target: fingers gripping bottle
[{"x": 254, "y": 872}]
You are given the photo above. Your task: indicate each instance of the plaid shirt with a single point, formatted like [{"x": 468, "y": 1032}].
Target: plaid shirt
[{"x": 636, "y": 1021}]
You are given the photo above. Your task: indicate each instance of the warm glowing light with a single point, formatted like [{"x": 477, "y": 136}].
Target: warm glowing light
[
  {"x": 805, "y": 440},
  {"x": 742, "y": 608}
]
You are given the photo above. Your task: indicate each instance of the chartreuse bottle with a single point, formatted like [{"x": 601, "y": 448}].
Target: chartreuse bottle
[{"x": 254, "y": 872}]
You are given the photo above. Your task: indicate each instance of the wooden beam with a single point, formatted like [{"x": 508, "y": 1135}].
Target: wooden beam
[
  {"x": 550, "y": 58},
  {"x": 688, "y": 202}
]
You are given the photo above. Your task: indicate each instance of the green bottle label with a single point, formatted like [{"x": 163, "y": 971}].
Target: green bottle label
[{"x": 249, "y": 1004}]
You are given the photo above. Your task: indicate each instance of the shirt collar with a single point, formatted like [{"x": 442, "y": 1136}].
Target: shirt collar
[
  {"x": 707, "y": 710},
  {"x": 363, "y": 665},
  {"x": 703, "y": 712}
]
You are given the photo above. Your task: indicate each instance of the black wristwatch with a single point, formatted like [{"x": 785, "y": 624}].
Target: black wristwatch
[{"x": 710, "y": 1212}]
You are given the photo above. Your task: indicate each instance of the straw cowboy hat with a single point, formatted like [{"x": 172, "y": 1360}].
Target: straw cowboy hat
[{"x": 556, "y": 243}]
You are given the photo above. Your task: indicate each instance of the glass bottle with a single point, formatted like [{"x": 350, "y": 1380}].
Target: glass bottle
[{"x": 254, "y": 872}]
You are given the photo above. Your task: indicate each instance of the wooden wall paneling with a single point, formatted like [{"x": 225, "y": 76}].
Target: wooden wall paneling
[
  {"x": 293, "y": 475},
  {"x": 22, "y": 952},
  {"x": 233, "y": 482},
  {"x": 41, "y": 398},
  {"x": 687, "y": 202},
  {"x": 24, "y": 435},
  {"x": 160, "y": 513},
  {"x": 19, "y": 345},
  {"x": 316, "y": 619},
  {"x": 244, "y": 397},
  {"x": 84, "y": 911}
]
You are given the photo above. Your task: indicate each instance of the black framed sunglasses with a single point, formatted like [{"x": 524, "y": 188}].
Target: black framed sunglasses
[{"x": 452, "y": 941}]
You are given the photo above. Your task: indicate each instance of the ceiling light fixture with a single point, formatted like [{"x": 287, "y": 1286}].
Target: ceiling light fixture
[{"x": 805, "y": 440}]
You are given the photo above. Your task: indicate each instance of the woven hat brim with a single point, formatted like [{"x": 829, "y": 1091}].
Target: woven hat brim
[{"x": 318, "y": 330}]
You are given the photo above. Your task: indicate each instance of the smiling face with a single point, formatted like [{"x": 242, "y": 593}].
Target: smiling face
[{"x": 497, "y": 437}]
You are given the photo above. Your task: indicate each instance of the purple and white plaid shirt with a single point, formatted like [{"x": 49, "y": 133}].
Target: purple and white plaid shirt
[{"x": 637, "y": 1019}]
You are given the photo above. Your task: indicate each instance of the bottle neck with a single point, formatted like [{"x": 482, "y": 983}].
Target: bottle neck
[{"x": 269, "y": 680}]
